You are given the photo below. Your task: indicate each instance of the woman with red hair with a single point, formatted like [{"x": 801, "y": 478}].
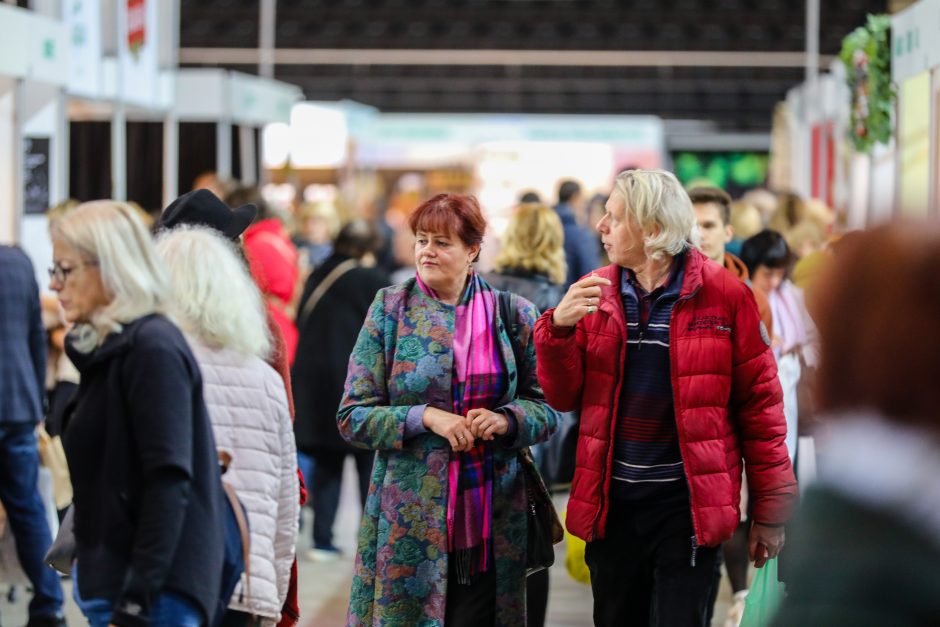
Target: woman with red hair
[
  {"x": 435, "y": 388},
  {"x": 866, "y": 548}
]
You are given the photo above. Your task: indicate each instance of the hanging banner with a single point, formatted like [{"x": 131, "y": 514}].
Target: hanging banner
[
  {"x": 83, "y": 20},
  {"x": 138, "y": 54},
  {"x": 136, "y": 25}
]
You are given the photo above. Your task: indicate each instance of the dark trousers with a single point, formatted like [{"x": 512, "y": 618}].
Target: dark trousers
[
  {"x": 26, "y": 515},
  {"x": 642, "y": 573},
  {"x": 536, "y": 598},
  {"x": 473, "y": 604},
  {"x": 327, "y": 481},
  {"x": 234, "y": 618}
]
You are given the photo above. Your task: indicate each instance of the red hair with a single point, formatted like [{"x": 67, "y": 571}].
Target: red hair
[
  {"x": 878, "y": 307},
  {"x": 453, "y": 214}
]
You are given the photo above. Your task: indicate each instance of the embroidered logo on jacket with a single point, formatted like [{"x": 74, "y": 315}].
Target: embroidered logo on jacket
[{"x": 709, "y": 323}]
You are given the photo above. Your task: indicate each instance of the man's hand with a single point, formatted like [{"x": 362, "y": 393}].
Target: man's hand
[
  {"x": 581, "y": 300},
  {"x": 764, "y": 543},
  {"x": 486, "y": 424},
  {"x": 449, "y": 426}
]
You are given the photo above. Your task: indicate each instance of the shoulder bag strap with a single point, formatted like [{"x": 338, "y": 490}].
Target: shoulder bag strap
[
  {"x": 321, "y": 289},
  {"x": 243, "y": 531}
]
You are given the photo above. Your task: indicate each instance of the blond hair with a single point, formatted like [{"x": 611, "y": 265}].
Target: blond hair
[
  {"x": 655, "y": 198},
  {"x": 111, "y": 235},
  {"x": 534, "y": 241},
  {"x": 746, "y": 220},
  {"x": 326, "y": 211},
  {"x": 214, "y": 297}
]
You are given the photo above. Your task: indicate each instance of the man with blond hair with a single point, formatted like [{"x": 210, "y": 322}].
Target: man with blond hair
[{"x": 662, "y": 353}]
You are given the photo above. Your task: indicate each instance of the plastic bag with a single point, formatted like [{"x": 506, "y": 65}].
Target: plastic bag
[
  {"x": 764, "y": 598},
  {"x": 574, "y": 557}
]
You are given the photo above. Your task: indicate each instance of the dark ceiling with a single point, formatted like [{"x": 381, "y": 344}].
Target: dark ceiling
[{"x": 736, "y": 98}]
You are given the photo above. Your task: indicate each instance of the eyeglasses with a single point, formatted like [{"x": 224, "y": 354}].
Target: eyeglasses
[{"x": 60, "y": 273}]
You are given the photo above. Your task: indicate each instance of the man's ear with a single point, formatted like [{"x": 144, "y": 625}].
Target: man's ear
[{"x": 729, "y": 233}]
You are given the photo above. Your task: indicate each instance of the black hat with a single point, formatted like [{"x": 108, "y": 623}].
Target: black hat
[{"x": 201, "y": 206}]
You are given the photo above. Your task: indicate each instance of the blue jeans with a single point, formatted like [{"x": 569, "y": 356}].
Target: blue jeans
[
  {"x": 169, "y": 610},
  {"x": 19, "y": 492}
]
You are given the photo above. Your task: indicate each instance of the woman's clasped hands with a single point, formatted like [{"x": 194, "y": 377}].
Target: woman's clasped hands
[{"x": 463, "y": 431}]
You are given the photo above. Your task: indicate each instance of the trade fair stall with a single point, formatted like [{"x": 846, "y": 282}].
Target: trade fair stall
[
  {"x": 220, "y": 115},
  {"x": 33, "y": 72}
]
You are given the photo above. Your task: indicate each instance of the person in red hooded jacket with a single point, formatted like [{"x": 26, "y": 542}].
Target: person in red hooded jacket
[
  {"x": 273, "y": 262},
  {"x": 664, "y": 354}
]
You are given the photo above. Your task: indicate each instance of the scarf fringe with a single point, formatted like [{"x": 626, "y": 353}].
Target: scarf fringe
[{"x": 470, "y": 562}]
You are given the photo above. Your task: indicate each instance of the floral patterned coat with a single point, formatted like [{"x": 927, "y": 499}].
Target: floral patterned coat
[{"x": 402, "y": 358}]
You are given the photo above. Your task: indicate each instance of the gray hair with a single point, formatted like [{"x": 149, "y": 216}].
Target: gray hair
[
  {"x": 111, "y": 234},
  {"x": 214, "y": 297},
  {"x": 655, "y": 198}
]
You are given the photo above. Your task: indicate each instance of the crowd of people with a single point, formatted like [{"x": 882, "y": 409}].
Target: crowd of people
[{"x": 670, "y": 364}]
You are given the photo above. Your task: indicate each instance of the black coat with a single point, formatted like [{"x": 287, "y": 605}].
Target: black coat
[
  {"x": 327, "y": 337},
  {"x": 148, "y": 492},
  {"x": 22, "y": 341}
]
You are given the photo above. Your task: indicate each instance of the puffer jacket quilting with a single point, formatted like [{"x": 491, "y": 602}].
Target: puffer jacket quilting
[
  {"x": 727, "y": 398},
  {"x": 247, "y": 405}
]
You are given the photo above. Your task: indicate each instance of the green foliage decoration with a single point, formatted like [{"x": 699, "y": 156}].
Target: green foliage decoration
[{"x": 866, "y": 54}]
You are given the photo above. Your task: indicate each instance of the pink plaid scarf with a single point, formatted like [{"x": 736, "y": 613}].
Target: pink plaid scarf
[{"x": 479, "y": 381}]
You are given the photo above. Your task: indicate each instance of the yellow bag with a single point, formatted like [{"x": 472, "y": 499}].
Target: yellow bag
[
  {"x": 52, "y": 456},
  {"x": 574, "y": 557}
]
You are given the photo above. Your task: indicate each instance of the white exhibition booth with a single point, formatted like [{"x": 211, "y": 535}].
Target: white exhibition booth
[
  {"x": 33, "y": 72},
  {"x": 108, "y": 62}
]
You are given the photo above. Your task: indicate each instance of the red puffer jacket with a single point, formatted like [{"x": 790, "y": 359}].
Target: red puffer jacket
[{"x": 727, "y": 397}]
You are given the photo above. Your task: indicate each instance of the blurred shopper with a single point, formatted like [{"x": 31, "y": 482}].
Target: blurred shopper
[
  {"x": 222, "y": 313},
  {"x": 581, "y": 251},
  {"x": 61, "y": 375},
  {"x": 768, "y": 259},
  {"x": 273, "y": 262},
  {"x": 712, "y": 214},
  {"x": 201, "y": 207},
  {"x": 663, "y": 354},
  {"x": 148, "y": 495},
  {"x": 434, "y": 387},
  {"x": 866, "y": 547},
  {"x": 23, "y": 368},
  {"x": 317, "y": 226},
  {"x": 764, "y": 200},
  {"x": 531, "y": 263},
  {"x": 335, "y": 301},
  {"x": 745, "y": 222}
]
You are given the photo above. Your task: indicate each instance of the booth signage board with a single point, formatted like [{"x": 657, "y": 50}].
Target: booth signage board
[
  {"x": 915, "y": 40},
  {"x": 255, "y": 101},
  {"x": 32, "y": 46},
  {"x": 13, "y": 33},
  {"x": 83, "y": 21},
  {"x": 397, "y": 138},
  {"x": 36, "y": 174},
  {"x": 914, "y": 146},
  {"x": 200, "y": 94}
]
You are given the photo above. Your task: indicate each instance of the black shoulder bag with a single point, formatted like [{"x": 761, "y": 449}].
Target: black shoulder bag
[{"x": 544, "y": 528}]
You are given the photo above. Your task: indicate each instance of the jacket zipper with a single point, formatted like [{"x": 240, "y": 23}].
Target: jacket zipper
[
  {"x": 672, "y": 367},
  {"x": 606, "y": 466}
]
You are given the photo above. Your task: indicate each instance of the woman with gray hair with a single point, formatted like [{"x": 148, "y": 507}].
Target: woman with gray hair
[
  {"x": 147, "y": 492},
  {"x": 223, "y": 316},
  {"x": 663, "y": 353}
]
